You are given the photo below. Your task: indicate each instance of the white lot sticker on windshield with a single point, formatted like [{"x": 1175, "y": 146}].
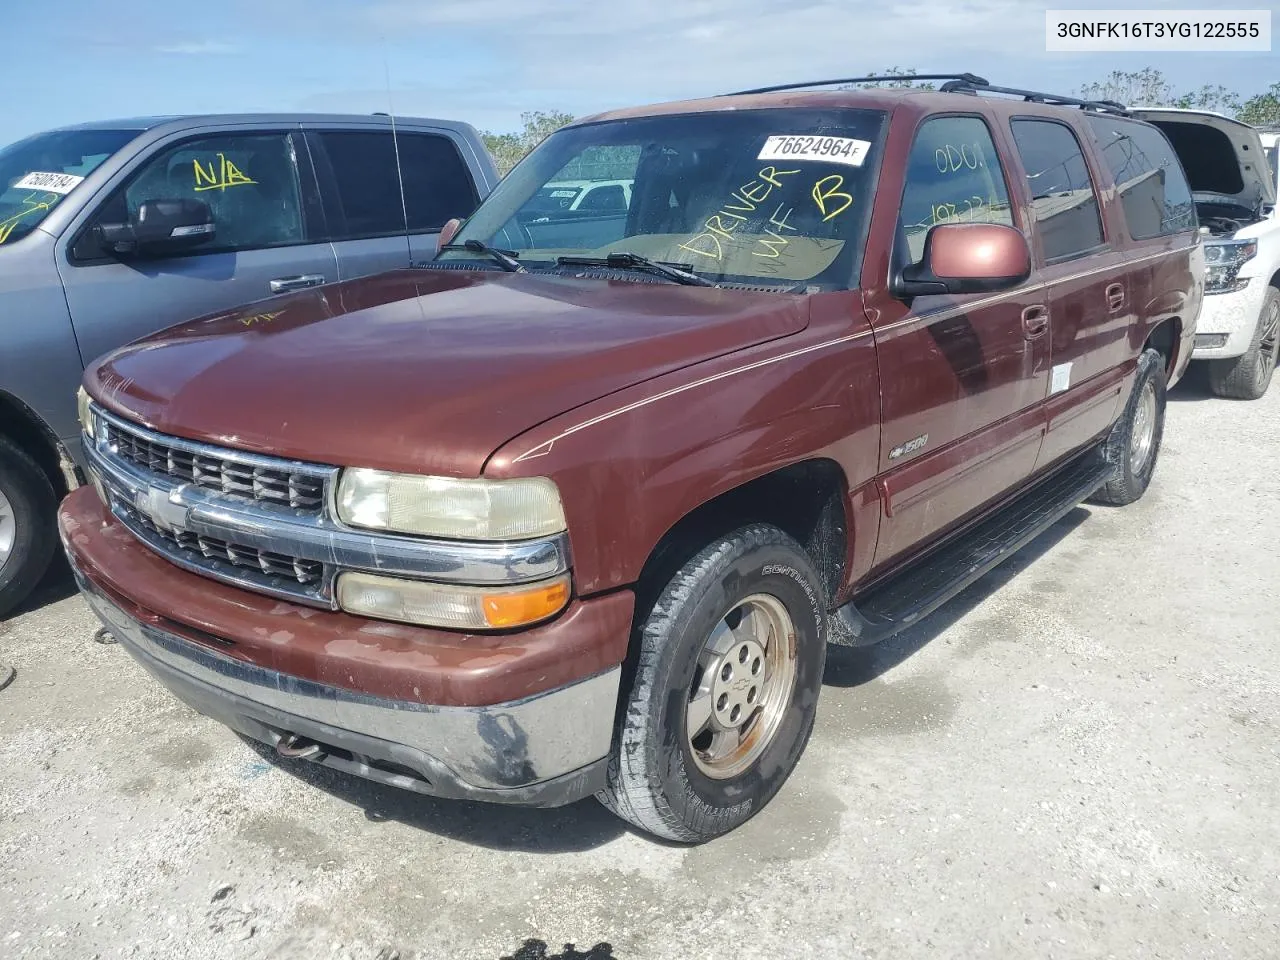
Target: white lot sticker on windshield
[
  {"x": 52, "y": 182},
  {"x": 831, "y": 149}
]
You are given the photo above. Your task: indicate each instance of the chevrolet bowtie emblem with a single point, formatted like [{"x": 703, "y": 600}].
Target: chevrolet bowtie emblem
[{"x": 156, "y": 504}]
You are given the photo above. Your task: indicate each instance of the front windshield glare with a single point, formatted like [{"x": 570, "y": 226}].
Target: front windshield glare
[
  {"x": 751, "y": 196},
  {"x": 36, "y": 173}
]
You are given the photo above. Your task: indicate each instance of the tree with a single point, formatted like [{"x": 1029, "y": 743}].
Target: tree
[
  {"x": 900, "y": 77},
  {"x": 1146, "y": 87},
  {"x": 508, "y": 148},
  {"x": 1213, "y": 97},
  {"x": 1262, "y": 108}
]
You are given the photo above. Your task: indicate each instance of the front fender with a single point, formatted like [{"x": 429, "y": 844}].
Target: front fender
[{"x": 631, "y": 465}]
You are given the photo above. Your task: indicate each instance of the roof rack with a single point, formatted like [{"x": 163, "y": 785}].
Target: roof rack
[
  {"x": 966, "y": 78},
  {"x": 978, "y": 85}
]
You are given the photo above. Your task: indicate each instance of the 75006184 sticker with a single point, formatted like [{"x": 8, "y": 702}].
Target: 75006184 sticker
[
  {"x": 52, "y": 182},
  {"x": 844, "y": 150}
]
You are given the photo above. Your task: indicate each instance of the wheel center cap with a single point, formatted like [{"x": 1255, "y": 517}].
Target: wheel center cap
[{"x": 738, "y": 684}]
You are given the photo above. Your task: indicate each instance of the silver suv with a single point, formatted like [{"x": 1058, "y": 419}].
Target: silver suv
[{"x": 110, "y": 231}]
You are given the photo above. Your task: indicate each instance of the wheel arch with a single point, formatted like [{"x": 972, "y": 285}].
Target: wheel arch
[
  {"x": 1166, "y": 339},
  {"x": 806, "y": 500},
  {"x": 24, "y": 427}
]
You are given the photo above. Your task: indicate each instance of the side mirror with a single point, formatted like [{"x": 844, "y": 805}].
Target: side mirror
[
  {"x": 967, "y": 258},
  {"x": 447, "y": 233},
  {"x": 160, "y": 227}
]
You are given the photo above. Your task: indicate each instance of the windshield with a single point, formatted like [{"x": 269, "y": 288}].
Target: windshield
[
  {"x": 749, "y": 196},
  {"x": 36, "y": 173}
]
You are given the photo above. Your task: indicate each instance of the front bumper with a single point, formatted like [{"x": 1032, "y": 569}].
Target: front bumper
[
  {"x": 546, "y": 748},
  {"x": 1228, "y": 321}
]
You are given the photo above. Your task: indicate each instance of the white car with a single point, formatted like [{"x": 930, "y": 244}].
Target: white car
[
  {"x": 587, "y": 196},
  {"x": 1234, "y": 185}
]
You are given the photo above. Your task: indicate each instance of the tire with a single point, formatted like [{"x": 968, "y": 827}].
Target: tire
[
  {"x": 1143, "y": 417},
  {"x": 27, "y": 532},
  {"x": 658, "y": 780},
  {"x": 1248, "y": 376}
]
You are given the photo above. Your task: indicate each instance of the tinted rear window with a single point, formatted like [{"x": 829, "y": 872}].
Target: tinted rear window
[{"x": 1149, "y": 177}]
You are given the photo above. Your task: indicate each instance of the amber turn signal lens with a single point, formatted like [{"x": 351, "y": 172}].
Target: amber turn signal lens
[
  {"x": 452, "y": 606},
  {"x": 504, "y": 610}
]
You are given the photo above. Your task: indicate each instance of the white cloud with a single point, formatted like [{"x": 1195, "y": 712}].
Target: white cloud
[{"x": 197, "y": 48}]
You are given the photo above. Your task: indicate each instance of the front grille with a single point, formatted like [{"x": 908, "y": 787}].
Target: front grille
[
  {"x": 276, "y": 572},
  {"x": 248, "y": 481}
]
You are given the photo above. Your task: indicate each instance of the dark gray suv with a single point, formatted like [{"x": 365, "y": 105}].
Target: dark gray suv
[{"x": 109, "y": 231}]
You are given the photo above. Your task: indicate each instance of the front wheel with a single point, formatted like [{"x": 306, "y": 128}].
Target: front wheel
[
  {"x": 27, "y": 533},
  {"x": 1247, "y": 377},
  {"x": 1134, "y": 442},
  {"x": 725, "y": 691}
]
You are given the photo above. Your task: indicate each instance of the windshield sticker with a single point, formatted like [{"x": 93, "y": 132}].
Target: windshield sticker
[
  {"x": 564, "y": 193},
  {"x": 844, "y": 150},
  {"x": 831, "y": 200},
  {"x": 220, "y": 176},
  {"x": 61, "y": 183}
]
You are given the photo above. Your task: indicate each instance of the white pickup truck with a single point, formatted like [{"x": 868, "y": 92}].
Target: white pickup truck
[{"x": 1234, "y": 185}]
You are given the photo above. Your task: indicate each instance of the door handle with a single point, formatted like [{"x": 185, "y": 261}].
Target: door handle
[
  {"x": 285, "y": 284},
  {"x": 1035, "y": 321},
  {"x": 1115, "y": 296}
]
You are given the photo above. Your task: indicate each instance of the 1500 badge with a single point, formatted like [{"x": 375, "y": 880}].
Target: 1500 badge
[{"x": 911, "y": 446}]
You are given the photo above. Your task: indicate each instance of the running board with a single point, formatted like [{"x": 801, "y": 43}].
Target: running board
[{"x": 908, "y": 597}]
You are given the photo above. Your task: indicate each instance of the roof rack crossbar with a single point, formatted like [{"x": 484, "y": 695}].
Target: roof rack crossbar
[
  {"x": 965, "y": 78},
  {"x": 1034, "y": 96}
]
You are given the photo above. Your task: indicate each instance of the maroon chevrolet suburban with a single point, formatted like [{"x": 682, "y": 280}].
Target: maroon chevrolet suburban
[{"x": 575, "y": 508}]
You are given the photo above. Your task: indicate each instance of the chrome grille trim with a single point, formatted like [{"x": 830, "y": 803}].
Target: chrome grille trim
[
  {"x": 230, "y": 532},
  {"x": 289, "y": 578},
  {"x": 301, "y": 486}
]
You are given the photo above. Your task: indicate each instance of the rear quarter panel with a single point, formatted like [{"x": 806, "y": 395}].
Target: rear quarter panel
[{"x": 632, "y": 464}]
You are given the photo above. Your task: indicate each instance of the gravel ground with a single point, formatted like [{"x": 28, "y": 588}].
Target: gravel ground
[{"x": 1076, "y": 758}]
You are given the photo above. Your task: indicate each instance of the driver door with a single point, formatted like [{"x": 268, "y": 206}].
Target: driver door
[{"x": 269, "y": 238}]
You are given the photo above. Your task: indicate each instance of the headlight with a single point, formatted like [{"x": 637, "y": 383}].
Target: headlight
[
  {"x": 452, "y": 509},
  {"x": 88, "y": 422},
  {"x": 1223, "y": 261},
  {"x": 451, "y": 606}
]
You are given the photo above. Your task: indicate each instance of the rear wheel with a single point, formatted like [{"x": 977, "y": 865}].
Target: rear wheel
[
  {"x": 1133, "y": 445},
  {"x": 725, "y": 691},
  {"x": 1247, "y": 377},
  {"x": 27, "y": 533}
]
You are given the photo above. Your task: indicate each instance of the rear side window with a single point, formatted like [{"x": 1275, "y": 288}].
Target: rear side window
[
  {"x": 1063, "y": 199},
  {"x": 368, "y": 204},
  {"x": 953, "y": 176},
  {"x": 1149, "y": 177},
  {"x": 437, "y": 184}
]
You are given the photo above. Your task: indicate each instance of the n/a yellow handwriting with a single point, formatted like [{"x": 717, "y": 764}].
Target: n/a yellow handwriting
[
  {"x": 224, "y": 174},
  {"x": 8, "y": 225},
  {"x": 260, "y": 318},
  {"x": 721, "y": 225},
  {"x": 830, "y": 199}
]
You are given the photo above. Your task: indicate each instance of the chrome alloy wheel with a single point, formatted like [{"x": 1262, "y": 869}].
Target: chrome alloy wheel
[
  {"x": 742, "y": 688},
  {"x": 8, "y": 529},
  {"x": 1269, "y": 342},
  {"x": 1144, "y": 429}
]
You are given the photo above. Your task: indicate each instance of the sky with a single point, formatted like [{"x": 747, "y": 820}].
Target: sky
[{"x": 487, "y": 61}]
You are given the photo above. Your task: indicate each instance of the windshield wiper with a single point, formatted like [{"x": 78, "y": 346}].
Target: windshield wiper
[
  {"x": 678, "y": 272},
  {"x": 504, "y": 258}
]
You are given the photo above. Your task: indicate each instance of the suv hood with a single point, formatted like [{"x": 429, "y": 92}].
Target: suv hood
[
  {"x": 420, "y": 370},
  {"x": 1221, "y": 155}
]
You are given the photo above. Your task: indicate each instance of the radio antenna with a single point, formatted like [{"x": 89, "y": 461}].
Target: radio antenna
[{"x": 395, "y": 143}]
